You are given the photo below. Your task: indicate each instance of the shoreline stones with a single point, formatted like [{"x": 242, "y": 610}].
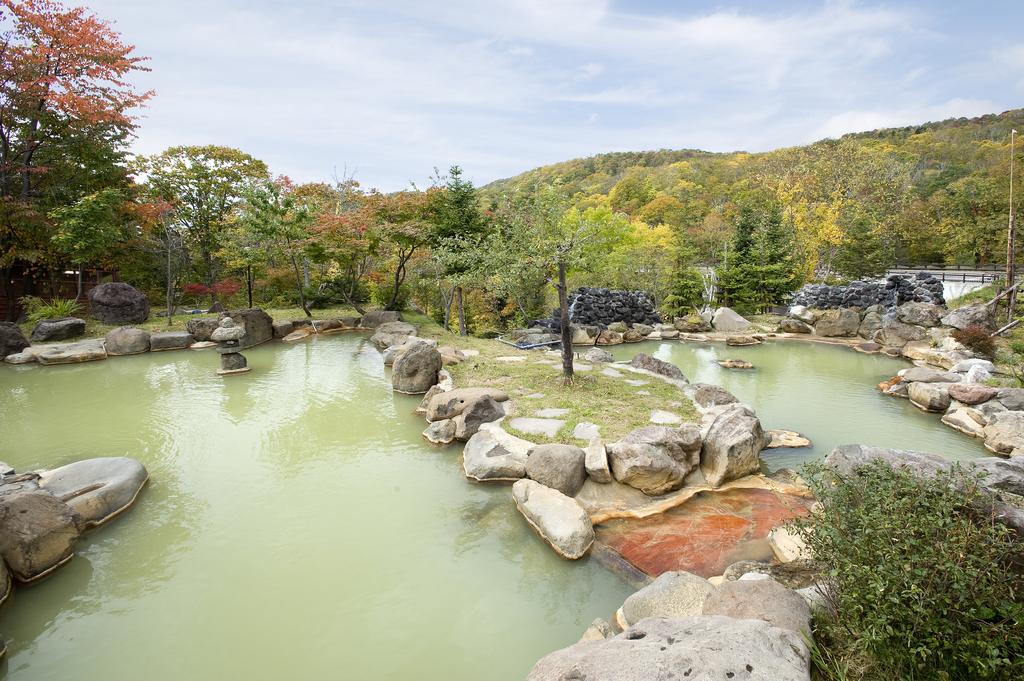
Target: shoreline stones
[
  {"x": 12, "y": 340},
  {"x": 492, "y": 454},
  {"x": 416, "y": 370},
  {"x": 655, "y": 459},
  {"x": 560, "y": 467},
  {"x": 126, "y": 340},
  {"x": 732, "y": 444},
  {"x": 65, "y": 328},
  {"x": 557, "y": 518}
]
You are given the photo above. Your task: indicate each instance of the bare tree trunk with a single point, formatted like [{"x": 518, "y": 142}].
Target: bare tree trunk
[
  {"x": 170, "y": 285},
  {"x": 248, "y": 283},
  {"x": 462, "y": 311},
  {"x": 78, "y": 291},
  {"x": 298, "y": 285},
  {"x": 446, "y": 304},
  {"x": 563, "y": 304}
]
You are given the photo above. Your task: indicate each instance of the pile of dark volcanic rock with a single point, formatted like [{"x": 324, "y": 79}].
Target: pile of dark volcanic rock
[
  {"x": 891, "y": 292},
  {"x": 601, "y": 307}
]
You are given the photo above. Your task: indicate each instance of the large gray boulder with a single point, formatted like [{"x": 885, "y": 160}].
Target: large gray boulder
[
  {"x": 655, "y": 459},
  {"x": 97, "y": 489},
  {"x": 50, "y": 330},
  {"x": 493, "y": 454},
  {"x": 1011, "y": 398},
  {"x": 258, "y": 325},
  {"x": 12, "y": 340},
  {"x": 926, "y": 375},
  {"x": 896, "y": 334},
  {"x": 1005, "y": 432},
  {"x": 598, "y": 355},
  {"x": 657, "y": 366},
  {"x": 560, "y": 467},
  {"x": 116, "y": 302},
  {"x": 6, "y": 584},
  {"x": 126, "y": 340},
  {"x": 929, "y": 396},
  {"x": 710, "y": 395},
  {"x": 761, "y": 599},
  {"x": 1002, "y": 474},
  {"x": 391, "y": 351},
  {"x": 920, "y": 314},
  {"x": 37, "y": 530},
  {"x": 202, "y": 327},
  {"x": 843, "y": 322},
  {"x": 870, "y": 324},
  {"x": 971, "y": 393},
  {"x": 557, "y": 518},
  {"x": 374, "y": 318},
  {"x": 446, "y": 405},
  {"x": 596, "y": 461},
  {"x": 970, "y": 315},
  {"x": 790, "y": 325},
  {"x": 170, "y": 340},
  {"x": 687, "y": 649},
  {"x": 87, "y": 350},
  {"x": 480, "y": 411},
  {"x": 726, "y": 319},
  {"x": 415, "y": 370},
  {"x": 803, "y": 313},
  {"x": 390, "y": 334},
  {"x": 732, "y": 445},
  {"x": 672, "y": 594}
]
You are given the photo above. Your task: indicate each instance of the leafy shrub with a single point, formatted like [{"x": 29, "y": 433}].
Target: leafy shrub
[
  {"x": 37, "y": 309},
  {"x": 225, "y": 288},
  {"x": 922, "y": 581},
  {"x": 976, "y": 338}
]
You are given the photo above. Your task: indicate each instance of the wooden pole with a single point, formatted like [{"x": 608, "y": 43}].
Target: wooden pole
[{"x": 1010, "y": 238}]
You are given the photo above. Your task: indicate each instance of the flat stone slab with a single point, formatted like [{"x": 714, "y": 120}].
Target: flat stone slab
[
  {"x": 611, "y": 373},
  {"x": 511, "y": 358},
  {"x": 536, "y": 426},
  {"x": 202, "y": 345},
  {"x": 535, "y": 396},
  {"x": 550, "y": 413},
  {"x": 706, "y": 533},
  {"x": 97, "y": 489},
  {"x": 665, "y": 418},
  {"x": 70, "y": 353},
  {"x": 635, "y": 382},
  {"x": 586, "y": 431}
]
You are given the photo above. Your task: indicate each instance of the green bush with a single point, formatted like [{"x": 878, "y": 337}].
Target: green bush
[
  {"x": 37, "y": 309},
  {"x": 921, "y": 582},
  {"x": 977, "y": 339}
]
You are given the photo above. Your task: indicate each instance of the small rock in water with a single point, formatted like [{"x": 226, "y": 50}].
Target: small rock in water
[
  {"x": 786, "y": 438},
  {"x": 735, "y": 364}
]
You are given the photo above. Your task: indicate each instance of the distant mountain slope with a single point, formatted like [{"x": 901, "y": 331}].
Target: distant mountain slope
[{"x": 935, "y": 191}]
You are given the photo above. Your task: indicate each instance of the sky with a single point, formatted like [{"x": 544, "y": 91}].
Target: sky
[{"x": 387, "y": 91}]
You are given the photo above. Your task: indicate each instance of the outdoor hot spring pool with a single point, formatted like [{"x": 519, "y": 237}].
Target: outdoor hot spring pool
[{"x": 297, "y": 526}]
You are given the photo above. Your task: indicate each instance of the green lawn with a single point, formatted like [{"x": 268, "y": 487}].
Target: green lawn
[{"x": 592, "y": 397}]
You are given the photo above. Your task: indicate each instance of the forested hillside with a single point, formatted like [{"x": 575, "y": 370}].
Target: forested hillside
[{"x": 931, "y": 193}]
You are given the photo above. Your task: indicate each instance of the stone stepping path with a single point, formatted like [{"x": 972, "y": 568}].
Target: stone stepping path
[
  {"x": 611, "y": 373},
  {"x": 537, "y": 426},
  {"x": 665, "y": 418},
  {"x": 511, "y": 358},
  {"x": 550, "y": 413},
  {"x": 636, "y": 383},
  {"x": 535, "y": 396},
  {"x": 586, "y": 431}
]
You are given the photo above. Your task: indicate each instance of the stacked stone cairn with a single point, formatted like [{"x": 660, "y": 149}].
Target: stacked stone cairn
[{"x": 227, "y": 337}]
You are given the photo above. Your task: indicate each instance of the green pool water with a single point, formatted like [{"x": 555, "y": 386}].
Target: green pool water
[
  {"x": 825, "y": 392},
  {"x": 296, "y": 526}
]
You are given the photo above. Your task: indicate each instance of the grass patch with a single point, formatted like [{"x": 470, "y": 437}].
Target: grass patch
[{"x": 592, "y": 397}]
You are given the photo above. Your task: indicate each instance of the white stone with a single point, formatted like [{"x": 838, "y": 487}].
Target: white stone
[
  {"x": 665, "y": 418},
  {"x": 537, "y": 426}
]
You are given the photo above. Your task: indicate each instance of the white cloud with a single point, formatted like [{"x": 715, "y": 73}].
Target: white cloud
[
  {"x": 860, "y": 121},
  {"x": 397, "y": 88}
]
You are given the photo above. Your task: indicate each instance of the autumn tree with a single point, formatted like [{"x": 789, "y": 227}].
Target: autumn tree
[
  {"x": 204, "y": 185},
  {"x": 88, "y": 228},
  {"x": 65, "y": 115},
  {"x": 402, "y": 222},
  {"x": 273, "y": 214},
  {"x": 539, "y": 231}
]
